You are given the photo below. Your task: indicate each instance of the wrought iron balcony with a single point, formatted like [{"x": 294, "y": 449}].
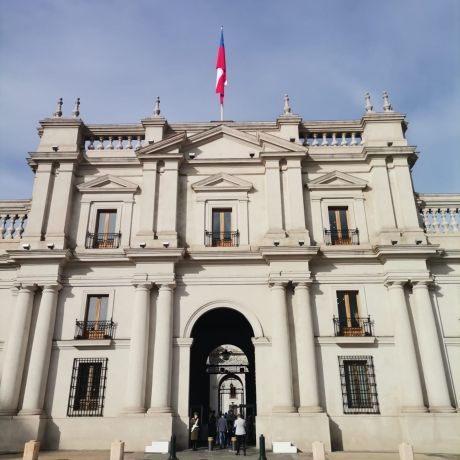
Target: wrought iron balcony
[
  {"x": 353, "y": 327},
  {"x": 94, "y": 330},
  {"x": 103, "y": 240},
  {"x": 341, "y": 237},
  {"x": 222, "y": 239}
]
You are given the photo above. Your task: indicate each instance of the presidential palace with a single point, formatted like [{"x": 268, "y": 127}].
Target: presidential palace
[{"x": 284, "y": 269}]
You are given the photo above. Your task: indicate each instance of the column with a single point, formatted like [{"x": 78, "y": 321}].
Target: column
[
  {"x": 135, "y": 385},
  {"x": 430, "y": 350},
  {"x": 273, "y": 197},
  {"x": 282, "y": 374},
  {"x": 167, "y": 203},
  {"x": 61, "y": 204},
  {"x": 40, "y": 203},
  {"x": 14, "y": 357},
  {"x": 147, "y": 214},
  {"x": 383, "y": 203},
  {"x": 39, "y": 361},
  {"x": 306, "y": 355},
  {"x": 409, "y": 378},
  {"x": 295, "y": 194},
  {"x": 162, "y": 354}
]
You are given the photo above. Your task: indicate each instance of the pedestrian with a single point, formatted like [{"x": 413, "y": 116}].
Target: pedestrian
[
  {"x": 194, "y": 430},
  {"x": 240, "y": 433},
  {"x": 212, "y": 429},
  {"x": 222, "y": 430}
]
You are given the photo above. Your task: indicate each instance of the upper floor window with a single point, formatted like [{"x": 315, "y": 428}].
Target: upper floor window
[
  {"x": 222, "y": 234},
  {"x": 105, "y": 235},
  {"x": 95, "y": 325},
  {"x": 349, "y": 322},
  {"x": 359, "y": 390},
  {"x": 87, "y": 388},
  {"x": 339, "y": 232}
]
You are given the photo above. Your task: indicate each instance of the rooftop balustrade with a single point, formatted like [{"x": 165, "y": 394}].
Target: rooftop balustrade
[
  {"x": 440, "y": 213},
  {"x": 13, "y": 218},
  {"x": 114, "y": 137}
]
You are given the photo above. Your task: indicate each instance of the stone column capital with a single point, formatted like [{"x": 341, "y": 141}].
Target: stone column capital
[
  {"x": 142, "y": 285},
  {"x": 52, "y": 287},
  {"x": 29, "y": 287},
  {"x": 421, "y": 284},
  {"x": 396, "y": 283},
  {"x": 168, "y": 286},
  {"x": 302, "y": 285}
]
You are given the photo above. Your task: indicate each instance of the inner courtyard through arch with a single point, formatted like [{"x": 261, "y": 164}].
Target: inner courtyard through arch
[{"x": 222, "y": 369}]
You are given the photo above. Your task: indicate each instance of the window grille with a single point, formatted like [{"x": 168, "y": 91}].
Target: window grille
[
  {"x": 87, "y": 387},
  {"x": 359, "y": 390}
]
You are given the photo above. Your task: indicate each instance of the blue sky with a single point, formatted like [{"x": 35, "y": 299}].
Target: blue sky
[{"x": 118, "y": 55}]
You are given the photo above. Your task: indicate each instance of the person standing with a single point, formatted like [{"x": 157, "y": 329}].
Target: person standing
[
  {"x": 194, "y": 430},
  {"x": 222, "y": 429},
  {"x": 240, "y": 433},
  {"x": 212, "y": 428}
]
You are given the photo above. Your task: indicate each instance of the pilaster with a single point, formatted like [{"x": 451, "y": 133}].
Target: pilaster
[
  {"x": 147, "y": 215},
  {"x": 273, "y": 199}
]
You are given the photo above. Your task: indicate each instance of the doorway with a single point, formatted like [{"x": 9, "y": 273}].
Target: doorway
[{"x": 222, "y": 368}]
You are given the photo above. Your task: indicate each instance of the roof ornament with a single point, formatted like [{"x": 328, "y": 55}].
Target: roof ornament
[
  {"x": 58, "y": 112},
  {"x": 369, "y": 107},
  {"x": 386, "y": 103},
  {"x": 287, "y": 108},
  {"x": 76, "y": 109},
  {"x": 156, "y": 111}
]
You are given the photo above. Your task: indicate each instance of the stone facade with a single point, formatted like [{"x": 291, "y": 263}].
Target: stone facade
[{"x": 146, "y": 246}]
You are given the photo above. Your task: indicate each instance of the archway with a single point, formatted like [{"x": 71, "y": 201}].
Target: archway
[{"x": 227, "y": 330}]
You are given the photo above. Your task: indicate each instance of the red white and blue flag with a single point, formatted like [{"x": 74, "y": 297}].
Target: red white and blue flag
[{"x": 221, "y": 79}]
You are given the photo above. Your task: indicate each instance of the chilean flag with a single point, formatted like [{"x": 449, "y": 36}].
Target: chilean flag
[{"x": 221, "y": 79}]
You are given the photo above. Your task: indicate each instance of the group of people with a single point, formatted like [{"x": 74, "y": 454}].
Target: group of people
[{"x": 221, "y": 429}]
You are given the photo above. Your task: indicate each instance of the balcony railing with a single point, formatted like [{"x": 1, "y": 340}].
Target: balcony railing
[
  {"x": 353, "y": 327},
  {"x": 94, "y": 330},
  {"x": 222, "y": 239},
  {"x": 341, "y": 237},
  {"x": 103, "y": 240}
]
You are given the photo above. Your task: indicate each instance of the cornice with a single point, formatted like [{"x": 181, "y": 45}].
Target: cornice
[
  {"x": 224, "y": 254},
  {"x": 154, "y": 254},
  {"x": 39, "y": 255},
  {"x": 406, "y": 251},
  {"x": 270, "y": 253},
  {"x": 61, "y": 122},
  {"x": 162, "y": 146}
]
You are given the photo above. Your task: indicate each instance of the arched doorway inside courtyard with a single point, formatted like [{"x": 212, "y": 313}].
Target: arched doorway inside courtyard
[{"x": 222, "y": 368}]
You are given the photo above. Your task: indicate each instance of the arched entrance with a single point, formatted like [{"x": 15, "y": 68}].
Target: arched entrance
[{"x": 216, "y": 333}]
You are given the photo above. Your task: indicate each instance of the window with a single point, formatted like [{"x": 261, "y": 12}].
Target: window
[
  {"x": 105, "y": 236},
  {"x": 95, "y": 324},
  {"x": 339, "y": 232},
  {"x": 87, "y": 388},
  {"x": 349, "y": 323},
  {"x": 221, "y": 234},
  {"x": 359, "y": 390}
]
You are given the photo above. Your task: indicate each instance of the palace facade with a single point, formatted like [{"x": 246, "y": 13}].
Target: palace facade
[{"x": 282, "y": 269}]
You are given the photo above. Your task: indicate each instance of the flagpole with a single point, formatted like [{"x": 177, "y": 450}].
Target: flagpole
[{"x": 221, "y": 111}]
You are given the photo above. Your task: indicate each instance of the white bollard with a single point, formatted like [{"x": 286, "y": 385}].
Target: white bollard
[
  {"x": 405, "y": 451},
  {"x": 31, "y": 450},
  {"x": 318, "y": 451},
  {"x": 117, "y": 450}
]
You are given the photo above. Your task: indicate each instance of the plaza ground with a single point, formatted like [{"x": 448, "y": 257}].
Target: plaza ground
[{"x": 203, "y": 454}]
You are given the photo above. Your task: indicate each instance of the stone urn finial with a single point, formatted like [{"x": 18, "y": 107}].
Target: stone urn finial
[
  {"x": 386, "y": 103},
  {"x": 58, "y": 112},
  {"x": 76, "y": 109},
  {"x": 369, "y": 107},
  {"x": 287, "y": 108},
  {"x": 157, "y": 111}
]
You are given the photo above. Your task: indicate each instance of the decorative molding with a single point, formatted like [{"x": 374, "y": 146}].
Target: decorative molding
[
  {"x": 222, "y": 182},
  {"x": 108, "y": 184},
  {"x": 337, "y": 180}
]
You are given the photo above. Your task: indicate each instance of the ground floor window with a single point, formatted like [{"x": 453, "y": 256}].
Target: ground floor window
[
  {"x": 87, "y": 388},
  {"x": 359, "y": 390}
]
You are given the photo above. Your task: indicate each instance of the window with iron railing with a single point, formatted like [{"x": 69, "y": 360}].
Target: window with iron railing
[
  {"x": 87, "y": 387},
  {"x": 221, "y": 234},
  {"x": 95, "y": 325},
  {"x": 105, "y": 236},
  {"x": 359, "y": 389},
  {"x": 339, "y": 232},
  {"x": 349, "y": 322}
]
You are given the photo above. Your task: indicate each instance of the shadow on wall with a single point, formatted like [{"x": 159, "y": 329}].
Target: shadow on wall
[
  {"x": 336, "y": 436},
  {"x": 52, "y": 436}
]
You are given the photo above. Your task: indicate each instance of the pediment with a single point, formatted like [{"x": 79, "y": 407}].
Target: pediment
[
  {"x": 222, "y": 182},
  {"x": 108, "y": 183},
  {"x": 337, "y": 180},
  {"x": 220, "y": 142}
]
